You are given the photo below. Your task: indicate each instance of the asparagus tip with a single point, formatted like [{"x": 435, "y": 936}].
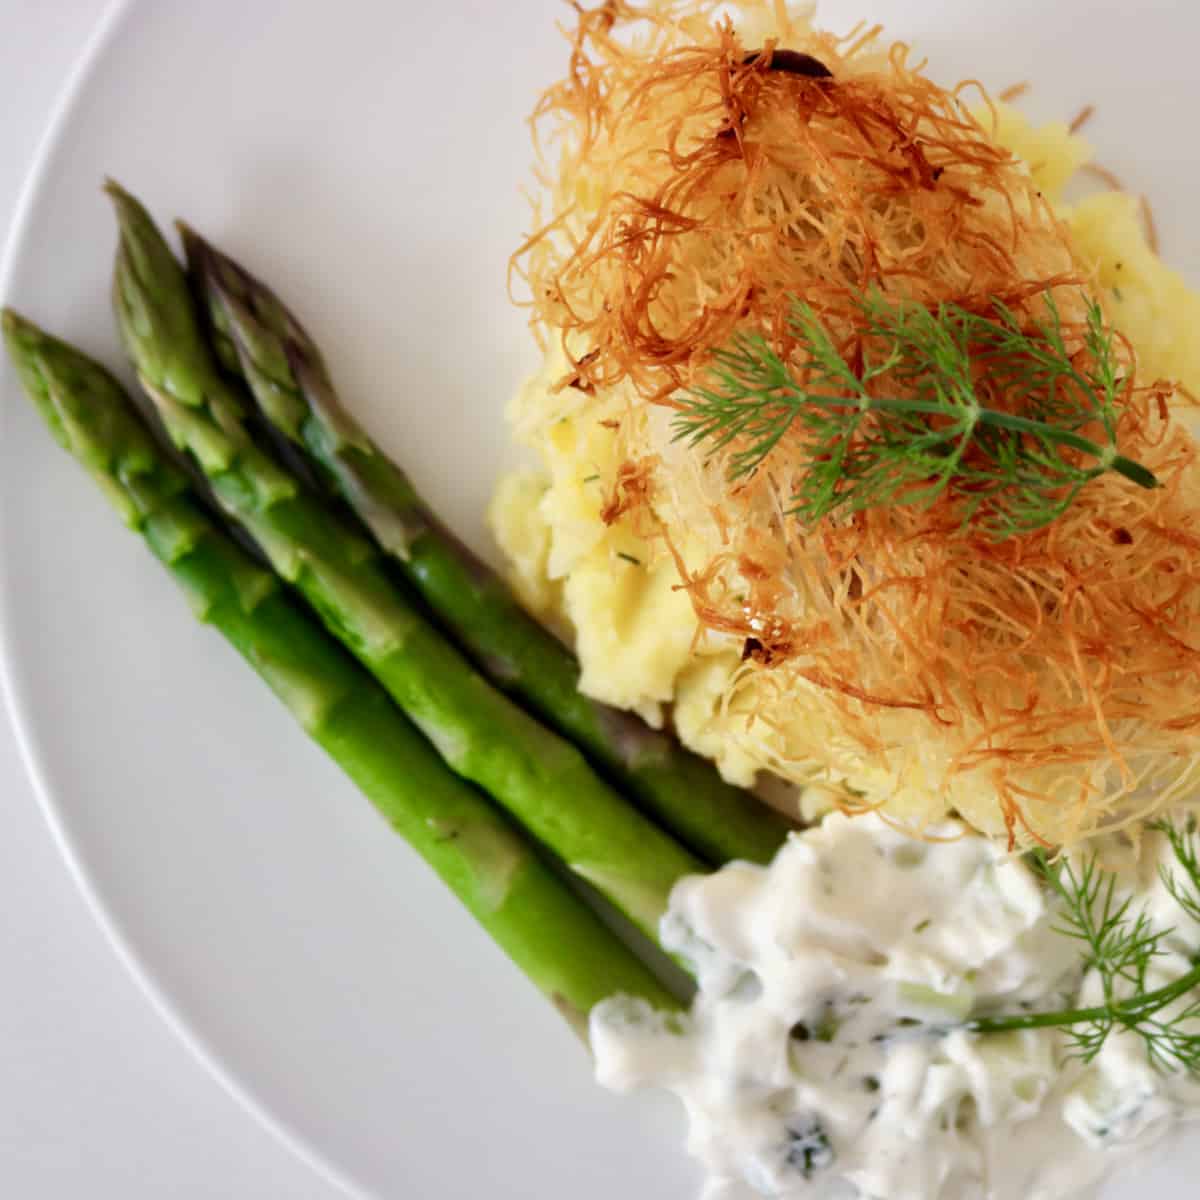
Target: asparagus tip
[
  {"x": 131, "y": 212},
  {"x": 205, "y": 263},
  {"x": 12, "y": 328},
  {"x": 194, "y": 246},
  {"x": 19, "y": 333}
]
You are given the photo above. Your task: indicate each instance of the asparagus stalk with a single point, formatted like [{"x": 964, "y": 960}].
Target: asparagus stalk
[
  {"x": 547, "y": 930},
  {"x": 256, "y": 336},
  {"x": 541, "y": 779}
]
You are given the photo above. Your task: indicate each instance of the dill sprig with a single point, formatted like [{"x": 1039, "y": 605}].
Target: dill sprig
[
  {"x": 1014, "y": 466},
  {"x": 1121, "y": 945}
]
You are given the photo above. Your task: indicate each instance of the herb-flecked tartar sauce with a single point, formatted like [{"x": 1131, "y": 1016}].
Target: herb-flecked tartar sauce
[{"x": 820, "y": 1058}]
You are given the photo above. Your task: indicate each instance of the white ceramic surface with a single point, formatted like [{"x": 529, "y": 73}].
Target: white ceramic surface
[
  {"x": 366, "y": 157},
  {"x": 98, "y": 1097}
]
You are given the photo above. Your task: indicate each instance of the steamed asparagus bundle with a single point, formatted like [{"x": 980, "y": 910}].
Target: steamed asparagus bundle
[
  {"x": 544, "y": 781},
  {"x": 256, "y": 336},
  {"x": 544, "y": 927}
]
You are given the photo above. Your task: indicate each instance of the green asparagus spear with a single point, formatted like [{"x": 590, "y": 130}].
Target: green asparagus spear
[
  {"x": 543, "y": 780},
  {"x": 256, "y": 336},
  {"x": 548, "y": 931}
]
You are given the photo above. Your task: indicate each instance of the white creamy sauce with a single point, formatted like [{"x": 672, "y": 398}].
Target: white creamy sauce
[{"x": 820, "y": 1058}]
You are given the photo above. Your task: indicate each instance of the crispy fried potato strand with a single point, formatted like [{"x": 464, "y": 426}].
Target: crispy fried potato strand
[{"x": 692, "y": 191}]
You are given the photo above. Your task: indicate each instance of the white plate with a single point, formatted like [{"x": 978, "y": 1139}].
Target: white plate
[{"x": 366, "y": 157}]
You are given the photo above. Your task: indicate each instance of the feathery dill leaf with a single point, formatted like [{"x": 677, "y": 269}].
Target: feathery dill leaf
[
  {"x": 1184, "y": 846},
  {"x": 1121, "y": 945},
  {"x": 1014, "y": 466}
]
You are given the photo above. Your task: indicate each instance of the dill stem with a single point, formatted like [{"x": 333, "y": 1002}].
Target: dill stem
[
  {"x": 1126, "y": 1013},
  {"x": 1134, "y": 472},
  {"x": 1016, "y": 472},
  {"x": 1131, "y": 470}
]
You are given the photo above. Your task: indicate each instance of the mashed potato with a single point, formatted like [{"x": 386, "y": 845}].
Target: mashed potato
[{"x": 637, "y": 637}]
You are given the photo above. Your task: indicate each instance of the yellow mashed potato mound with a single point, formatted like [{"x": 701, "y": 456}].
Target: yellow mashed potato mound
[{"x": 633, "y": 627}]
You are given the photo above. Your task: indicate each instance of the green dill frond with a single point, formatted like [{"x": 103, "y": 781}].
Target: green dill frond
[
  {"x": 1184, "y": 891},
  {"x": 1121, "y": 945},
  {"x": 1118, "y": 945},
  {"x": 1014, "y": 467}
]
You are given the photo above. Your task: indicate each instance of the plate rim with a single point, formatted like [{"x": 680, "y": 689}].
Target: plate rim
[
  {"x": 114, "y": 21},
  {"x": 104, "y": 33}
]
